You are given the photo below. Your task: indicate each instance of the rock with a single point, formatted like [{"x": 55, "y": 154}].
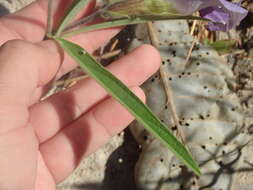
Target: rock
[
  {"x": 14, "y": 5},
  {"x": 210, "y": 115},
  {"x": 91, "y": 171}
]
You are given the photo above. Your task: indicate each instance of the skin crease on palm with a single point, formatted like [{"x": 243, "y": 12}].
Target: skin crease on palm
[{"x": 41, "y": 143}]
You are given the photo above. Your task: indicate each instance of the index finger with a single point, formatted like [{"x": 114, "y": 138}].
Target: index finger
[{"x": 30, "y": 22}]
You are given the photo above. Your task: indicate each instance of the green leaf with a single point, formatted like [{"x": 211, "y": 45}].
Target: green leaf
[
  {"x": 221, "y": 46},
  {"x": 128, "y": 21},
  {"x": 135, "y": 106},
  {"x": 75, "y": 8}
]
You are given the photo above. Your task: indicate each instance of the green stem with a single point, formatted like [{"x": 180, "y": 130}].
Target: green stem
[
  {"x": 75, "y": 8},
  {"x": 84, "y": 20},
  {"x": 126, "y": 21},
  {"x": 50, "y": 18},
  {"x": 108, "y": 24}
]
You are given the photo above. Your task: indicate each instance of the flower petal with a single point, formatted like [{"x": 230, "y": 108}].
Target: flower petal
[{"x": 224, "y": 14}]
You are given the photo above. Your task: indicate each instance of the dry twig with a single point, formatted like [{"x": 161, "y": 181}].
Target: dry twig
[{"x": 164, "y": 73}]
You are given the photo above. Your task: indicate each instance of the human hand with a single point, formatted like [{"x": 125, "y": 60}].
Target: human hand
[{"x": 41, "y": 142}]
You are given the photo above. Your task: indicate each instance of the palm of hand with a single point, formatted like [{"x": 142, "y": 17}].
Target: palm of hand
[{"x": 42, "y": 142}]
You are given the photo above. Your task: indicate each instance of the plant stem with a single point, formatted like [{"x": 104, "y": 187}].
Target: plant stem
[
  {"x": 75, "y": 7},
  {"x": 124, "y": 22},
  {"x": 82, "y": 21},
  {"x": 49, "y": 18},
  {"x": 92, "y": 16},
  {"x": 108, "y": 24}
]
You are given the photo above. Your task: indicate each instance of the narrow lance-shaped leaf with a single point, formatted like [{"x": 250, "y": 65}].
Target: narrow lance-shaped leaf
[
  {"x": 135, "y": 106},
  {"x": 75, "y": 8}
]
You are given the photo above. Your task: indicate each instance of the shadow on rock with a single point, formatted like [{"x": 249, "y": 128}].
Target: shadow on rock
[
  {"x": 120, "y": 166},
  {"x": 3, "y": 10}
]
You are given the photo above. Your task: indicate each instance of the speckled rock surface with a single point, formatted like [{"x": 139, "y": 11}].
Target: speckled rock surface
[{"x": 209, "y": 112}]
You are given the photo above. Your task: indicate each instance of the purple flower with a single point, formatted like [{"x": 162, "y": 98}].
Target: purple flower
[{"x": 225, "y": 15}]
